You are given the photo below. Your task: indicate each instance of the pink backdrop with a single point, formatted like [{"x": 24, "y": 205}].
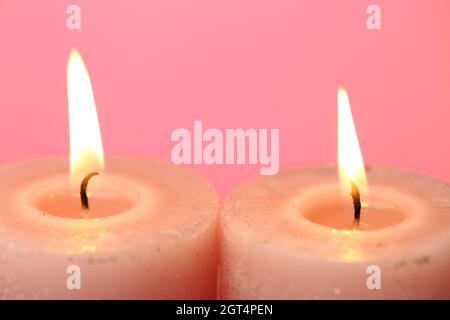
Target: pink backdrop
[{"x": 159, "y": 65}]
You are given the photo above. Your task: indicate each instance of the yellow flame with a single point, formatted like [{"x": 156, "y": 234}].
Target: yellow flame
[
  {"x": 86, "y": 149},
  {"x": 350, "y": 160}
]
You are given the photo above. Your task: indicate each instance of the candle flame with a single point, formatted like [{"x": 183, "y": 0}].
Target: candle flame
[
  {"x": 350, "y": 160},
  {"x": 86, "y": 149}
]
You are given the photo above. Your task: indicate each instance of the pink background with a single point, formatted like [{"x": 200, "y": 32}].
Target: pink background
[{"x": 159, "y": 65}]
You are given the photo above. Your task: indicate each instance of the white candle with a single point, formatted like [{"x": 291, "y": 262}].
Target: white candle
[
  {"x": 278, "y": 243},
  {"x": 144, "y": 229},
  {"x": 151, "y": 235},
  {"x": 292, "y": 236}
]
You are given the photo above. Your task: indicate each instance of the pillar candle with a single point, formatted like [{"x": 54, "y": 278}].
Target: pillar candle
[
  {"x": 137, "y": 230},
  {"x": 302, "y": 234},
  {"x": 150, "y": 232},
  {"x": 290, "y": 236}
]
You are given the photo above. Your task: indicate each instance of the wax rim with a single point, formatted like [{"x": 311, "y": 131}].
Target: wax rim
[
  {"x": 403, "y": 204},
  {"x": 113, "y": 184},
  {"x": 197, "y": 215},
  {"x": 34, "y": 190},
  {"x": 269, "y": 195}
]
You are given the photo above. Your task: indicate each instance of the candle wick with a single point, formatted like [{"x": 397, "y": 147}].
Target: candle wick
[
  {"x": 83, "y": 188},
  {"x": 356, "y": 204}
]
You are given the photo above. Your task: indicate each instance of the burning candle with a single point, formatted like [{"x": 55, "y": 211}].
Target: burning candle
[
  {"x": 139, "y": 230},
  {"x": 297, "y": 235}
]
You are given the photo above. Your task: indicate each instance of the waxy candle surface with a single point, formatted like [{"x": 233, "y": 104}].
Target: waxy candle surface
[
  {"x": 290, "y": 236},
  {"x": 151, "y": 232}
]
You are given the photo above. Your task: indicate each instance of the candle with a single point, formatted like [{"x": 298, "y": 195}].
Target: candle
[
  {"x": 138, "y": 230},
  {"x": 297, "y": 235}
]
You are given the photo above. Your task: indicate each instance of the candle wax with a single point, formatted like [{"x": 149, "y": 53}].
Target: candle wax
[
  {"x": 282, "y": 237},
  {"x": 157, "y": 239},
  {"x": 325, "y": 205}
]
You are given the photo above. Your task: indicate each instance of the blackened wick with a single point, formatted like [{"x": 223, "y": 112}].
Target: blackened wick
[
  {"x": 83, "y": 188},
  {"x": 356, "y": 204}
]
